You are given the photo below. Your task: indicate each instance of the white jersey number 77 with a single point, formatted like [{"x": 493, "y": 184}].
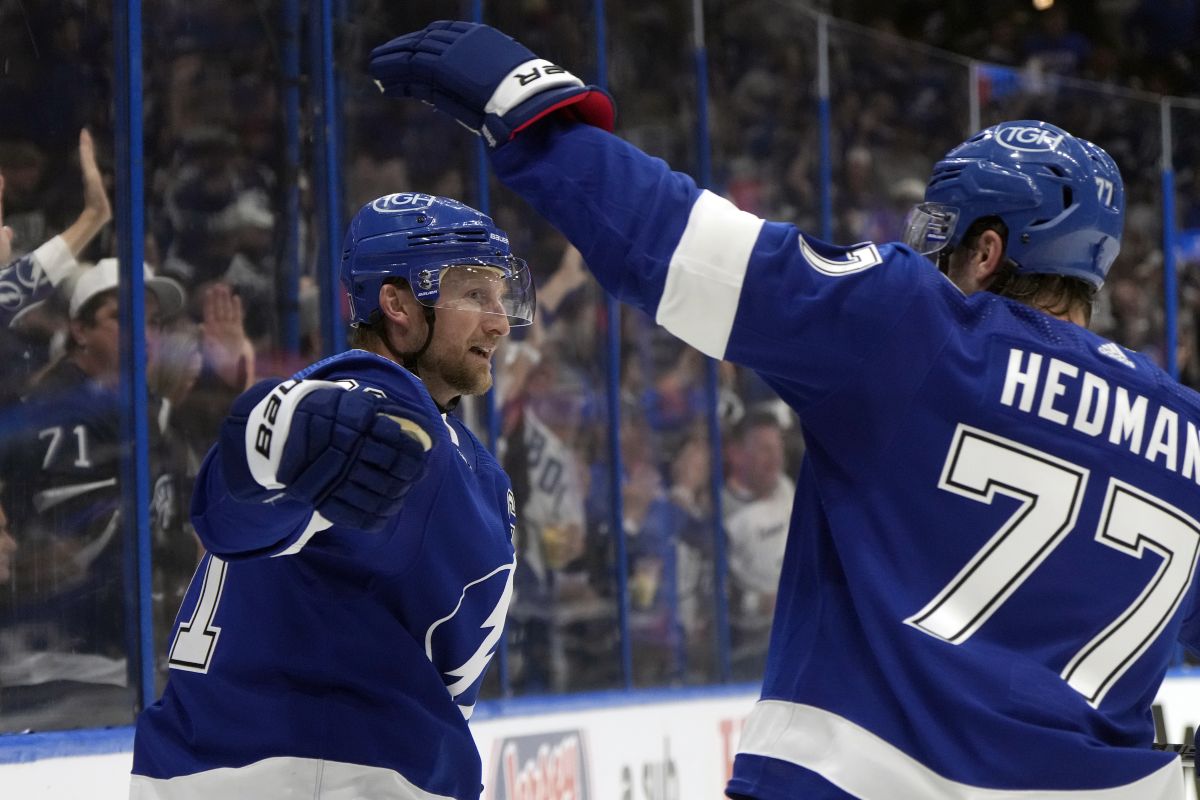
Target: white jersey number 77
[{"x": 981, "y": 465}]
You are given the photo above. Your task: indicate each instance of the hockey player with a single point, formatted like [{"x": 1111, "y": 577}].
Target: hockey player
[
  {"x": 360, "y": 558},
  {"x": 992, "y": 548}
]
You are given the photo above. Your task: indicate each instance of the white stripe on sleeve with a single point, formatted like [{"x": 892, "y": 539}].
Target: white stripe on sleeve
[
  {"x": 704, "y": 279},
  {"x": 55, "y": 259}
]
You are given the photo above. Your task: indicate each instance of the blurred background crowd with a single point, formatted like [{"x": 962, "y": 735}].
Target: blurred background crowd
[{"x": 647, "y": 520}]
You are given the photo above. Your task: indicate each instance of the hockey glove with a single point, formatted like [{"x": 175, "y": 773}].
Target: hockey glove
[
  {"x": 484, "y": 79},
  {"x": 352, "y": 456}
]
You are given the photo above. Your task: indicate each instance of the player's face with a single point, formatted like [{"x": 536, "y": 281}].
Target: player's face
[
  {"x": 8, "y": 546},
  {"x": 470, "y": 322}
]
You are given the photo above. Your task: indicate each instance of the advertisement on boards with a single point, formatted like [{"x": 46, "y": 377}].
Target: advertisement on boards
[{"x": 655, "y": 751}]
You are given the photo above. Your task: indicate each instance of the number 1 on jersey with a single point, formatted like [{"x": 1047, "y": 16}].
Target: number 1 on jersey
[{"x": 196, "y": 640}]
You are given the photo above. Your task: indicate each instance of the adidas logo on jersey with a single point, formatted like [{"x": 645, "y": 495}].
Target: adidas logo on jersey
[{"x": 1115, "y": 352}]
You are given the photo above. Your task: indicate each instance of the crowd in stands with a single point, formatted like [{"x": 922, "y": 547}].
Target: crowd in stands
[{"x": 215, "y": 181}]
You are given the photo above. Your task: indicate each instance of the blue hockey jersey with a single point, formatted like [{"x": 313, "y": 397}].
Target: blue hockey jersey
[
  {"x": 310, "y": 660},
  {"x": 993, "y": 544}
]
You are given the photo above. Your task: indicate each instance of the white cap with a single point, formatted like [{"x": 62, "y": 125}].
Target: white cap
[{"x": 105, "y": 275}]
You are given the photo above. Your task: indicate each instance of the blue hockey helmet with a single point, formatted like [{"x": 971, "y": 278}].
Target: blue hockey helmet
[
  {"x": 451, "y": 255},
  {"x": 1061, "y": 198}
]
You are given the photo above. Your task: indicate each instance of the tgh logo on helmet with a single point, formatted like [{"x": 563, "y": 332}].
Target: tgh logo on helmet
[
  {"x": 404, "y": 201},
  {"x": 1029, "y": 139}
]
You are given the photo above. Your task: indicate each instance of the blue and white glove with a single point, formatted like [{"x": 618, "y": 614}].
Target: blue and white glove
[
  {"x": 350, "y": 454},
  {"x": 486, "y": 80}
]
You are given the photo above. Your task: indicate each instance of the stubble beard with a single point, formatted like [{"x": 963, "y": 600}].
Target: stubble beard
[{"x": 461, "y": 372}]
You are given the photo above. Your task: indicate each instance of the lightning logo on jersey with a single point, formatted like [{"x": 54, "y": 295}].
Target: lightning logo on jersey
[{"x": 493, "y": 591}]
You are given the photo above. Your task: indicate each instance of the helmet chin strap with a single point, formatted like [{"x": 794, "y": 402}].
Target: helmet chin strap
[{"x": 410, "y": 360}]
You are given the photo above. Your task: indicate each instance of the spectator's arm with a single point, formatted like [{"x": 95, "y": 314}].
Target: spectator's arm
[
  {"x": 569, "y": 276},
  {"x": 6, "y": 232},
  {"x": 54, "y": 260},
  {"x": 97, "y": 212},
  {"x": 223, "y": 339}
]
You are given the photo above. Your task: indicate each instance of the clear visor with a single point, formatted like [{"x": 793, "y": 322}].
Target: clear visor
[
  {"x": 929, "y": 227},
  {"x": 486, "y": 286}
]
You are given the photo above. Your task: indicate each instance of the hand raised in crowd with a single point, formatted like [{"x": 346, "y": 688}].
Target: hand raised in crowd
[
  {"x": 223, "y": 337},
  {"x": 6, "y": 233},
  {"x": 569, "y": 276},
  {"x": 97, "y": 210}
]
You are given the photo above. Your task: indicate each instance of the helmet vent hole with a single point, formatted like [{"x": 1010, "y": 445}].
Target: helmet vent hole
[
  {"x": 1068, "y": 197},
  {"x": 444, "y": 237}
]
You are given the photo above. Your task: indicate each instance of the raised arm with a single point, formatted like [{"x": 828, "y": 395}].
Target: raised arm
[
  {"x": 730, "y": 284},
  {"x": 30, "y": 278},
  {"x": 97, "y": 211}
]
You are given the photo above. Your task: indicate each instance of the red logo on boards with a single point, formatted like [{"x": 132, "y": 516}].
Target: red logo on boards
[{"x": 545, "y": 766}]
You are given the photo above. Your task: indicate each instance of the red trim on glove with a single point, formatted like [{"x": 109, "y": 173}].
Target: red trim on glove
[{"x": 592, "y": 107}]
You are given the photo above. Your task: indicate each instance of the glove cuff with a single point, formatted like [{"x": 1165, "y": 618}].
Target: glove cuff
[
  {"x": 592, "y": 106},
  {"x": 587, "y": 104}
]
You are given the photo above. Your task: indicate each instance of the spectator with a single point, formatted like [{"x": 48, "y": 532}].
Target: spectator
[
  {"x": 547, "y": 415},
  {"x": 62, "y": 489},
  {"x": 1055, "y": 46},
  {"x": 32, "y": 277},
  {"x": 6, "y": 233},
  {"x": 691, "y": 495},
  {"x": 548, "y": 475},
  {"x": 224, "y": 365},
  {"x": 653, "y": 526},
  {"x": 757, "y": 503},
  {"x": 8, "y": 546},
  {"x": 27, "y": 175}
]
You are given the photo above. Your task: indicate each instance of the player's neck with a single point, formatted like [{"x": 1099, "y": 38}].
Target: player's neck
[
  {"x": 1073, "y": 314},
  {"x": 445, "y": 397}
]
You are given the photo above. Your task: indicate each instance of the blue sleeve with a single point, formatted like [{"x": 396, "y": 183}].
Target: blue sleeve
[
  {"x": 22, "y": 283},
  {"x": 800, "y": 312},
  {"x": 236, "y": 517},
  {"x": 618, "y": 206}
]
